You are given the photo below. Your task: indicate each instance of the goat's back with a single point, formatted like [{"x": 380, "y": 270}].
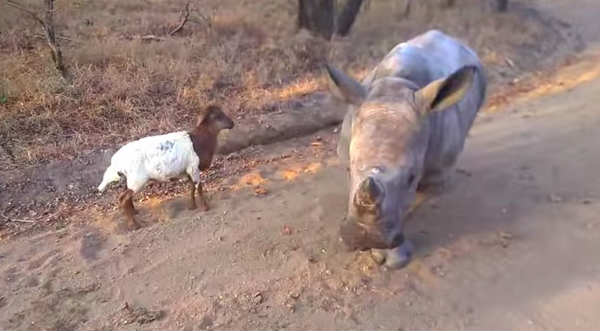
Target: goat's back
[{"x": 156, "y": 157}]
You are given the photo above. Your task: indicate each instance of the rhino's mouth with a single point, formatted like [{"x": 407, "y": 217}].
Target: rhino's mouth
[{"x": 357, "y": 236}]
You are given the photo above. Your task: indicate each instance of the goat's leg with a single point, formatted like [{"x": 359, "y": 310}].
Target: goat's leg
[
  {"x": 130, "y": 205},
  {"x": 203, "y": 204},
  {"x": 127, "y": 205},
  {"x": 192, "y": 194},
  {"x": 194, "y": 176},
  {"x": 123, "y": 200}
]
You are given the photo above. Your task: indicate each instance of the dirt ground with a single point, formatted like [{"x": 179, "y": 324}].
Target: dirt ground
[{"x": 510, "y": 244}]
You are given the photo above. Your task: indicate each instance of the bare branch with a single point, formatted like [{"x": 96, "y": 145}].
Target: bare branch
[
  {"x": 185, "y": 14},
  {"x": 25, "y": 10}
]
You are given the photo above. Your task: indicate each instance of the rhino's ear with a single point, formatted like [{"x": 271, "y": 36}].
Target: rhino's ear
[
  {"x": 446, "y": 92},
  {"x": 344, "y": 87},
  {"x": 369, "y": 195}
]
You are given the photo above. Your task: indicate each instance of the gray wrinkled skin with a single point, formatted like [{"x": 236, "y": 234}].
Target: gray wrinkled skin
[{"x": 405, "y": 127}]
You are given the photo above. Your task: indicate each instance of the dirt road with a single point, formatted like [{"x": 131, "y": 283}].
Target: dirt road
[{"x": 514, "y": 242}]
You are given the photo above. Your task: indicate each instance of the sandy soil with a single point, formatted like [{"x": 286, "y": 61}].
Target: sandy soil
[{"x": 510, "y": 244}]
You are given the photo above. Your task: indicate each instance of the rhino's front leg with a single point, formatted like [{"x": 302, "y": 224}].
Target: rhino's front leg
[
  {"x": 435, "y": 182},
  {"x": 400, "y": 256},
  {"x": 394, "y": 258},
  {"x": 420, "y": 197}
]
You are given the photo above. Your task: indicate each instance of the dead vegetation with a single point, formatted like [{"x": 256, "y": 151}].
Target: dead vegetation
[
  {"x": 47, "y": 24},
  {"x": 247, "y": 56}
]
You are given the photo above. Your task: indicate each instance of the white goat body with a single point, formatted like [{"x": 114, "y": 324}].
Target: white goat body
[{"x": 159, "y": 158}]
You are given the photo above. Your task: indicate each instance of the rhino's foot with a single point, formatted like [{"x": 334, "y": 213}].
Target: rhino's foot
[
  {"x": 434, "y": 183},
  {"x": 395, "y": 258},
  {"x": 433, "y": 187},
  {"x": 379, "y": 255}
]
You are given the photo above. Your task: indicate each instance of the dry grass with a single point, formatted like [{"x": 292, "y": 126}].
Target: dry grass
[{"x": 245, "y": 55}]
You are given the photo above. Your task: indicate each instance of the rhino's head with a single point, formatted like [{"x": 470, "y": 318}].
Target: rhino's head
[{"x": 388, "y": 140}]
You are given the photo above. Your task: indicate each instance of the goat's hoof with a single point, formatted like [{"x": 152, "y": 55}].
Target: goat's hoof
[
  {"x": 204, "y": 208},
  {"x": 135, "y": 212},
  {"x": 133, "y": 226},
  {"x": 192, "y": 207}
]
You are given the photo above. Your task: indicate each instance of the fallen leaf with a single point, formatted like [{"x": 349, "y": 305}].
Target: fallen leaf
[{"x": 260, "y": 191}]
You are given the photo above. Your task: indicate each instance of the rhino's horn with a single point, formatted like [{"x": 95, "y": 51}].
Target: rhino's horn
[
  {"x": 369, "y": 194},
  {"x": 345, "y": 87}
]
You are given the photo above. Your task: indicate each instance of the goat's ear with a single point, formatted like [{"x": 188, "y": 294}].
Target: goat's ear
[
  {"x": 345, "y": 87},
  {"x": 201, "y": 117},
  {"x": 446, "y": 92},
  {"x": 206, "y": 112}
]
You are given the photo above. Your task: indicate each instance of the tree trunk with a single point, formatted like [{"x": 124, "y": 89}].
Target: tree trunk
[
  {"x": 317, "y": 16},
  {"x": 502, "y": 5},
  {"x": 51, "y": 38},
  {"x": 348, "y": 16}
]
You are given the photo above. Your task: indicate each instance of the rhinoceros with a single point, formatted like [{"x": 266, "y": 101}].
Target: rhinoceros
[{"x": 405, "y": 127}]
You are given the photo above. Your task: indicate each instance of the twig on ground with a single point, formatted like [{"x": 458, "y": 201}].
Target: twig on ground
[
  {"x": 151, "y": 37},
  {"x": 57, "y": 37},
  {"x": 10, "y": 219}
]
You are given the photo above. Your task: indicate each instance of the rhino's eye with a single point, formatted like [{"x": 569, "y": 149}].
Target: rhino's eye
[{"x": 411, "y": 179}]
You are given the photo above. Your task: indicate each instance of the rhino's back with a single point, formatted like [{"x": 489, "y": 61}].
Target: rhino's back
[
  {"x": 425, "y": 58},
  {"x": 421, "y": 60},
  {"x": 443, "y": 55}
]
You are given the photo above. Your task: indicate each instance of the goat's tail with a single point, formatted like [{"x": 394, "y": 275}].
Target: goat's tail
[{"x": 110, "y": 176}]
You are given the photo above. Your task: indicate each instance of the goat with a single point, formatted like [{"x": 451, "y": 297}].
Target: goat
[{"x": 165, "y": 157}]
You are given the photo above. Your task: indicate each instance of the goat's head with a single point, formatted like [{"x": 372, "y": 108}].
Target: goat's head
[{"x": 214, "y": 118}]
